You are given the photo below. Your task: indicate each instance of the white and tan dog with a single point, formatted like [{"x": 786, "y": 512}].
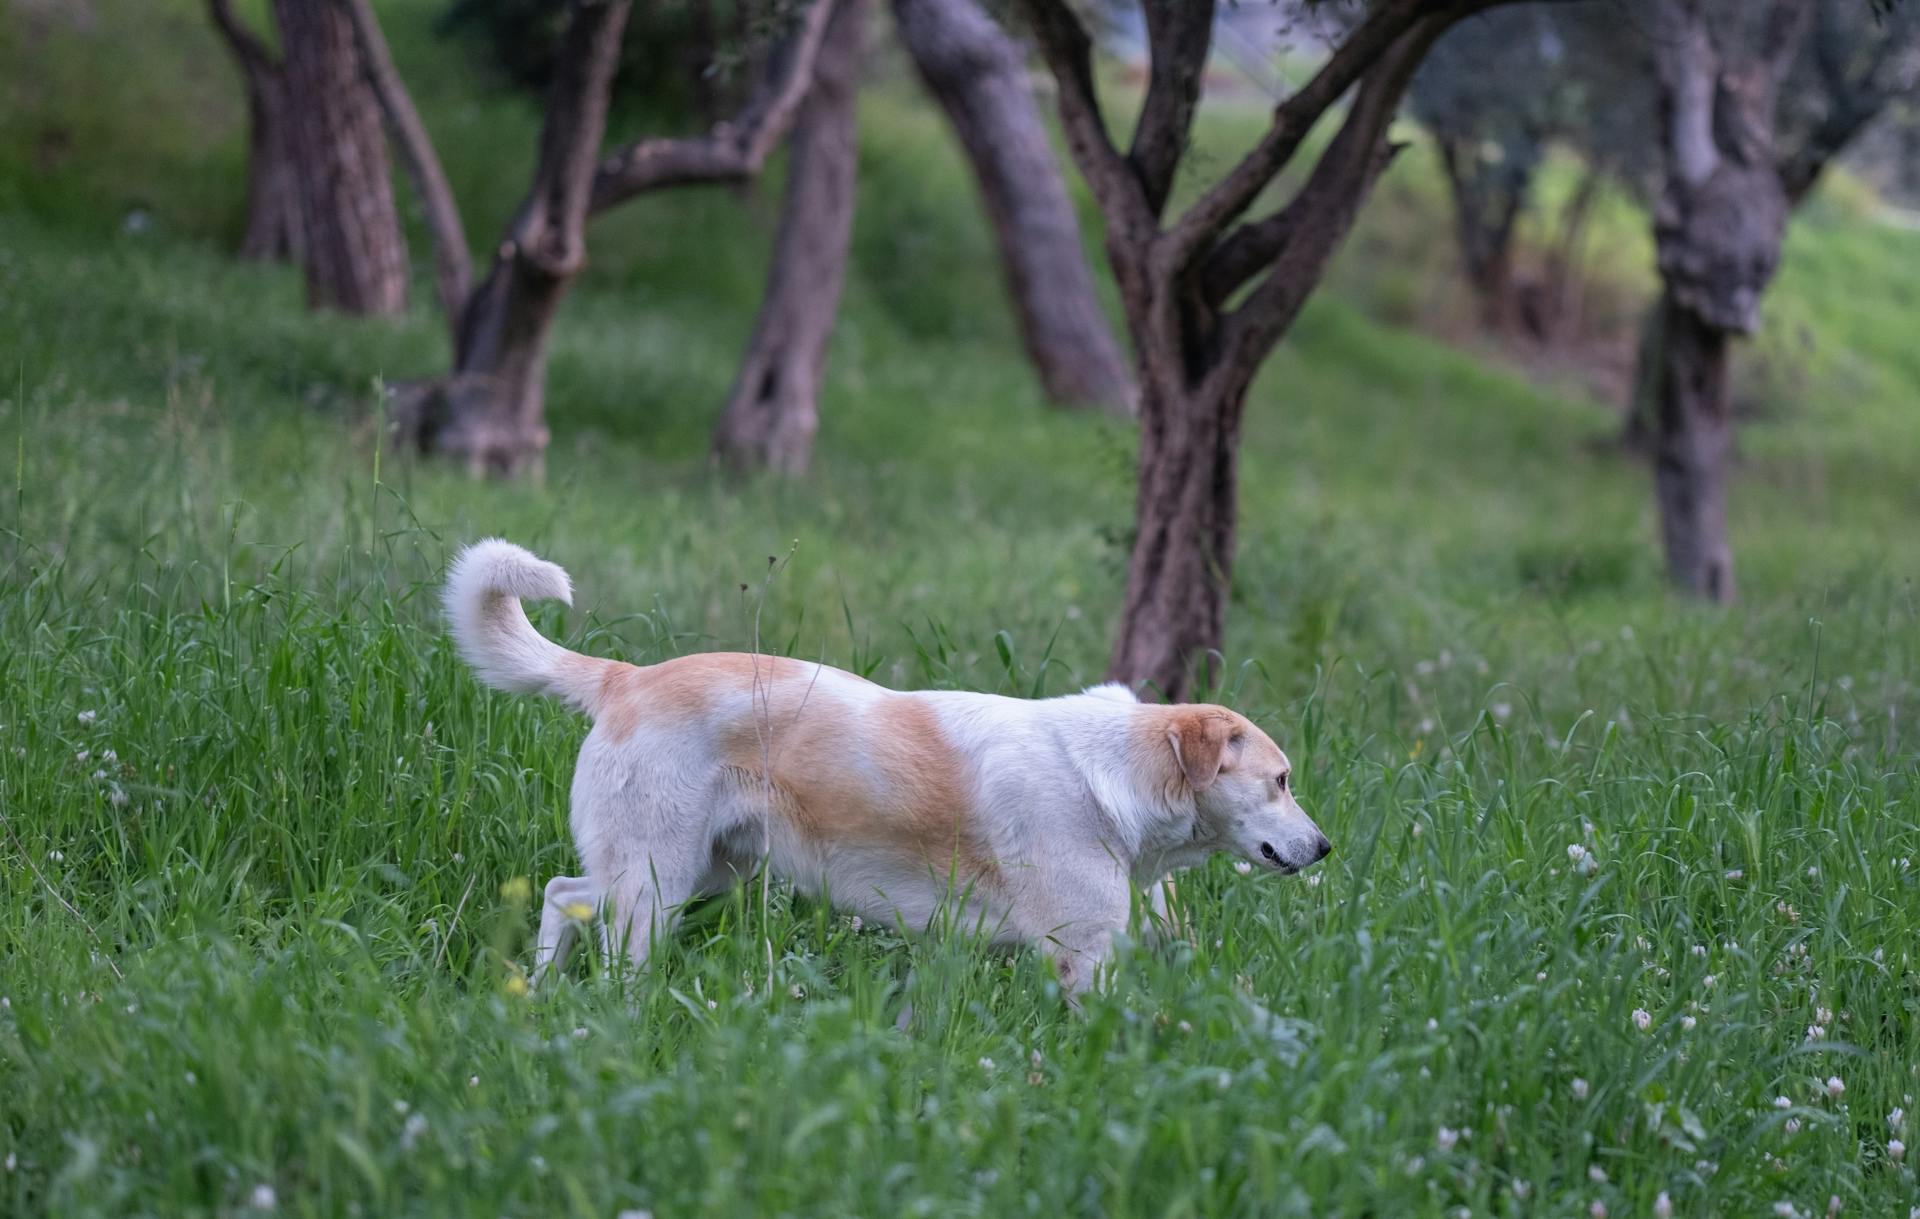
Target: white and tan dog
[{"x": 1039, "y": 820}]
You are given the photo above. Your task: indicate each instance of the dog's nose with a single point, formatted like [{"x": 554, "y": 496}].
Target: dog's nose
[{"x": 1322, "y": 849}]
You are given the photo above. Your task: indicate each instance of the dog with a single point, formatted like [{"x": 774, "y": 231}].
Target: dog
[{"x": 1040, "y": 820}]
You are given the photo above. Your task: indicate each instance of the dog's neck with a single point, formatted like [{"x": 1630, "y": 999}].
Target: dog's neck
[{"x": 1155, "y": 825}]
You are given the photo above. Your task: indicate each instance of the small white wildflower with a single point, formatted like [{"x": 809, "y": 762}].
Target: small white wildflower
[
  {"x": 1785, "y": 1210},
  {"x": 83, "y": 755},
  {"x": 56, "y": 856},
  {"x": 108, "y": 755},
  {"x": 117, "y": 797},
  {"x": 1416, "y": 829},
  {"x": 1699, "y": 950},
  {"x": 1687, "y": 1023},
  {"x": 401, "y": 1106},
  {"x": 87, "y": 717},
  {"x": 580, "y": 1034},
  {"x": 262, "y": 1198},
  {"x": 1445, "y": 1137},
  {"x": 1433, "y": 1025},
  {"x": 1642, "y": 1019},
  {"x": 1894, "y": 1118},
  {"x": 473, "y": 1081},
  {"x": 98, "y": 775},
  {"x": 1896, "y": 1150},
  {"x": 1736, "y": 874},
  {"x": 1793, "y": 1125},
  {"x": 1576, "y": 852},
  {"x": 797, "y": 991},
  {"x": 1313, "y": 881},
  {"x": 855, "y": 923},
  {"x": 1521, "y": 1188},
  {"x": 1224, "y": 1080},
  {"x": 1242, "y": 866},
  {"x": 1663, "y": 1206},
  {"x": 634, "y": 1214},
  {"x": 1501, "y": 711},
  {"x": 1823, "y": 1015},
  {"x": 986, "y": 1064},
  {"x": 1707, "y": 982},
  {"x": 1836, "y": 1087},
  {"x": 1541, "y": 976},
  {"x": 13, "y": 1162},
  {"x": 1596, "y": 1174},
  {"x": 1812, "y": 871},
  {"x": 411, "y": 1132},
  {"x": 192, "y": 1079},
  {"x": 1598, "y": 1210},
  {"x": 1580, "y": 1089},
  {"x": 1781, "y": 1102},
  {"x": 1815, "y": 1032},
  {"x": 713, "y": 1005}
]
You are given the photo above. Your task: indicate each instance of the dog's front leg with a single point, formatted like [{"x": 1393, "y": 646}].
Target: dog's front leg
[
  {"x": 570, "y": 902},
  {"x": 1074, "y": 912}
]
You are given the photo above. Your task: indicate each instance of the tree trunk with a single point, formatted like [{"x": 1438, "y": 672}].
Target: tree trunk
[
  {"x": 1692, "y": 443},
  {"x": 273, "y": 196},
  {"x": 773, "y": 411},
  {"x": 978, "y": 74},
  {"x": 491, "y": 413},
  {"x": 355, "y": 259},
  {"x": 1181, "y": 565},
  {"x": 1486, "y": 207}
]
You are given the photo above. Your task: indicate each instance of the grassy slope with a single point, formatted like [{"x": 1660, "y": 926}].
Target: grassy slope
[{"x": 302, "y": 849}]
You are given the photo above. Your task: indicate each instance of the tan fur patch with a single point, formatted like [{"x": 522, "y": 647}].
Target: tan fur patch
[{"x": 673, "y": 689}]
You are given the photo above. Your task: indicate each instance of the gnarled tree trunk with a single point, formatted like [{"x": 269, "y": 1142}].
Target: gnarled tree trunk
[
  {"x": 979, "y": 76},
  {"x": 1487, "y": 199},
  {"x": 355, "y": 258},
  {"x": 1691, "y": 443},
  {"x": 1718, "y": 229},
  {"x": 773, "y": 411},
  {"x": 273, "y": 196}
]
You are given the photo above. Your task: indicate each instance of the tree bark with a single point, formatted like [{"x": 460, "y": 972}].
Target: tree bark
[
  {"x": 1180, "y": 570},
  {"x": 355, "y": 258},
  {"x": 773, "y": 410},
  {"x": 978, "y": 75},
  {"x": 273, "y": 229},
  {"x": 1692, "y": 443}
]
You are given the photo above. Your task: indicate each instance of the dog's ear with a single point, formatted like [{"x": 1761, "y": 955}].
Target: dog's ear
[{"x": 1200, "y": 738}]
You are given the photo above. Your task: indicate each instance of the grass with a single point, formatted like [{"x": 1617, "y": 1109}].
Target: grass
[{"x": 267, "y": 846}]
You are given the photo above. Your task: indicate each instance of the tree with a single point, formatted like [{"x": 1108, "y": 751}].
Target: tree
[
  {"x": 1495, "y": 93},
  {"x": 489, "y": 412},
  {"x": 1208, "y": 295},
  {"x": 352, "y": 251},
  {"x": 773, "y": 410},
  {"x": 1755, "y": 100},
  {"x": 274, "y": 227},
  {"x": 979, "y": 76}
]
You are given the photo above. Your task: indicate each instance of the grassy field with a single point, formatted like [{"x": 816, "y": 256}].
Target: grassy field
[{"x": 1622, "y": 901}]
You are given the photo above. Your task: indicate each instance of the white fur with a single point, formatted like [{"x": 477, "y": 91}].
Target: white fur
[{"x": 1076, "y": 804}]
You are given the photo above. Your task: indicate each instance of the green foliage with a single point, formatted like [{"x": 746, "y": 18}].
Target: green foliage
[{"x": 261, "y": 833}]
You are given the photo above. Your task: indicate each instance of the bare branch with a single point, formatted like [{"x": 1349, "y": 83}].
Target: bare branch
[
  {"x": 452, "y": 257},
  {"x": 1069, "y": 55},
  {"x": 1301, "y": 238},
  {"x": 247, "y": 45},
  {"x": 1179, "y": 33},
  {"x": 735, "y": 149},
  {"x": 1295, "y": 117}
]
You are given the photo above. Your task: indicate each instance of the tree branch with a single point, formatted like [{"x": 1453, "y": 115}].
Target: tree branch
[
  {"x": 1069, "y": 55},
  {"x": 735, "y": 149},
  {"x": 452, "y": 257},
  {"x": 247, "y": 46},
  {"x": 1297, "y": 242},
  {"x": 1295, "y": 117},
  {"x": 1179, "y": 33}
]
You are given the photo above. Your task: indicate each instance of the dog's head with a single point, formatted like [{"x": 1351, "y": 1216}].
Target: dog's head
[{"x": 1242, "y": 788}]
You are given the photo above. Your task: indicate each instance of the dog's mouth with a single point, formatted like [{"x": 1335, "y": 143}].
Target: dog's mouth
[{"x": 1272, "y": 859}]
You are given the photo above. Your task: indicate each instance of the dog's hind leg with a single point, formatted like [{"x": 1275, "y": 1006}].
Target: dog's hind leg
[{"x": 571, "y": 901}]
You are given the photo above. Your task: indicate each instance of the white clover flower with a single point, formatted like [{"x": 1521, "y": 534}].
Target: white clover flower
[
  {"x": 1699, "y": 950},
  {"x": 1242, "y": 866},
  {"x": 1793, "y": 1125},
  {"x": 411, "y": 1132},
  {"x": 1836, "y": 1087},
  {"x": 1785, "y": 1210},
  {"x": 1823, "y": 1015},
  {"x": 1521, "y": 1188},
  {"x": 1663, "y": 1206},
  {"x": 473, "y": 1081},
  {"x": 1576, "y": 852},
  {"x": 580, "y": 1034},
  {"x": 1642, "y": 1019},
  {"x": 1580, "y": 1089},
  {"x": 1687, "y": 1023},
  {"x": 1815, "y": 1032},
  {"x": 634, "y": 1214},
  {"x": 1445, "y": 1137},
  {"x": 88, "y": 717},
  {"x": 1897, "y": 1116},
  {"x": 855, "y": 923},
  {"x": 1707, "y": 982},
  {"x": 986, "y": 1064},
  {"x": 1598, "y": 1210},
  {"x": 1596, "y": 1174},
  {"x": 1896, "y": 1150},
  {"x": 262, "y": 1198},
  {"x": 1781, "y": 1102},
  {"x": 1736, "y": 874}
]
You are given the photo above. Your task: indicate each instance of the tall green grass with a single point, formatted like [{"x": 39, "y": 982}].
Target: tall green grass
[{"x": 266, "y": 848}]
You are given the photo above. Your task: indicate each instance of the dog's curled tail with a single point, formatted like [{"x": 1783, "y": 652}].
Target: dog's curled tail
[{"x": 485, "y": 585}]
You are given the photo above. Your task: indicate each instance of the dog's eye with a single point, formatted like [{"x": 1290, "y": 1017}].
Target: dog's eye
[{"x": 1280, "y": 781}]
